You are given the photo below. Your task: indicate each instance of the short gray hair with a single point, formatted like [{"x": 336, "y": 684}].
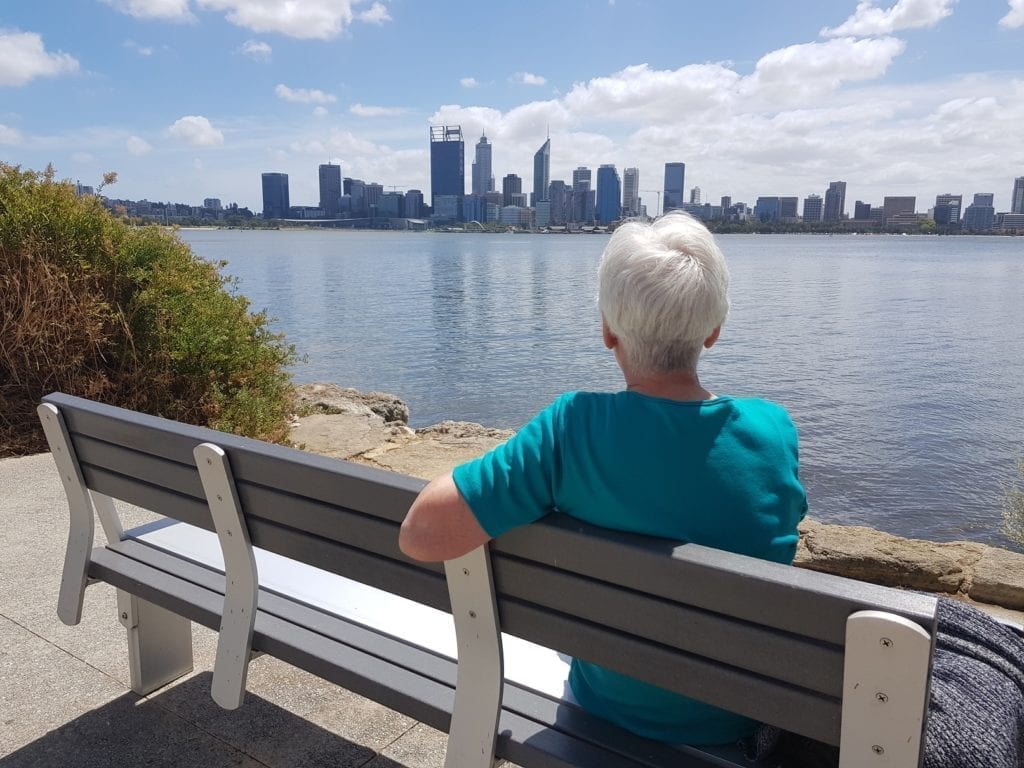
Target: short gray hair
[{"x": 664, "y": 288}]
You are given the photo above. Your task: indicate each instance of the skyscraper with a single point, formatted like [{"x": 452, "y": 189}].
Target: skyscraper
[
  {"x": 1017, "y": 198},
  {"x": 835, "y": 201},
  {"x": 812, "y": 209},
  {"x": 482, "y": 179},
  {"x": 510, "y": 185},
  {"x": 894, "y": 206},
  {"x": 447, "y": 165},
  {"x": 541, "y": 172},
  {"x": 609, "y": 194},
  {"x": 330, "y": 189},
  {"x": 947, "y": 210},
  {"x": 581, "y": 194},
  {"x": 275, "y": 196},
  {"x": 675, "y": 176},
  {"x": 631, "y": 192}
]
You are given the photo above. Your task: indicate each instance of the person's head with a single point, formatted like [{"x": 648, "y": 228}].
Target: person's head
[{"x": 663, "y": 292}]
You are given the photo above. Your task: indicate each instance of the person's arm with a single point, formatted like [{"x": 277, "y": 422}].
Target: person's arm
[{"x": 440, "y": 525}]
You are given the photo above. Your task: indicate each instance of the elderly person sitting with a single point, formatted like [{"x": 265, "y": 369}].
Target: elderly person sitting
[{"x": 664, "y": 457}]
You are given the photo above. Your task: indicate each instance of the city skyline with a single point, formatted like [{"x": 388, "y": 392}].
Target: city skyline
[{"x": 194, "y": 99}]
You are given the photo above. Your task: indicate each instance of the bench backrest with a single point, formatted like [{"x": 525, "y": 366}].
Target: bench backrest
[{"x": 761, "y": 639}]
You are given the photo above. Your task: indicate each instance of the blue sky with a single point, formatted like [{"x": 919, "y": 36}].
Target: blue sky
[{"x": 188, "y": 99}]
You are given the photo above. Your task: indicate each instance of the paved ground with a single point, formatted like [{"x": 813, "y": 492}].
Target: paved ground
[{"x": 64, "y": 693}]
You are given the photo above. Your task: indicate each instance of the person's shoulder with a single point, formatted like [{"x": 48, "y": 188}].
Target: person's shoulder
[{"x": 761, "y": 409}]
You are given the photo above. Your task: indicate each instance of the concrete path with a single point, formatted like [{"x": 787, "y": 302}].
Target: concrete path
[{"x": 64, "y": 693}]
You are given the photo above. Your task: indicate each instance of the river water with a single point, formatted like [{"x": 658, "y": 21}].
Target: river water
[{"x": 901, "y": 359}]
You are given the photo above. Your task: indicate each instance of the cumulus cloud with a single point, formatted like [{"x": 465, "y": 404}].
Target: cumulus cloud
[
  {"x": 137, "y": 147},
  {"x": 362, "y": 110},
  {"x": 868, "y": 19},
  {"x": 24, "y": 58},
  {"x": 469, "y": 82},
  {"x": 304, "y": 95},
  {"x": 1015, "y": 18},
  {"x": 161, "y": 10},
  {"x": 196, "y": 131},
  {"x": 308, "y": 20},
  {"x": 9, "y": 135},
  {"x": 527, "y": 78},
  {"x": 257, "y": 49}
]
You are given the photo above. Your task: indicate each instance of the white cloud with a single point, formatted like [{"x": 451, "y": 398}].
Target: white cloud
[
  {"x": 9, "y": 135},
  {"x": 469, "y": 82},
  {"x": 868, "y": 19},
  {"x": 1015, "y": 18},
  {"x": 23, "y": 58},
  {"x": 142, "y": 50},
  {"x": 196, "y": 131},
  {"x": 137, "y": 147},
  {"x": 375, "y": 14},
  {"x": 161, "y": 10},
  {"x": 527, "y": 78},
  {"x": 361, "y": 110},
  {"x": 257, "y": 49},
  {"x": 320, "y": 111},
  {"x": 306, "y": 20},
  {"x": 304, "y": 95}
]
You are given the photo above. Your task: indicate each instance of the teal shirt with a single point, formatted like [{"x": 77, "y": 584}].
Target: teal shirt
[{"x": 721, "y": 473}]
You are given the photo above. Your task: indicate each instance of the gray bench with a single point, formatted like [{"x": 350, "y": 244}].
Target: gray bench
[{"x": 255, "y": 533}]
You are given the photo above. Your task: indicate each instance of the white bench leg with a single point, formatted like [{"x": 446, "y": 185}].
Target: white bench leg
[{"x": 159, "y": 643}]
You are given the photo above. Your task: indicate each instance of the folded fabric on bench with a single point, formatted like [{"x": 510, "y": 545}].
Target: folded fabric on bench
[{"x": 976, "y": 704}]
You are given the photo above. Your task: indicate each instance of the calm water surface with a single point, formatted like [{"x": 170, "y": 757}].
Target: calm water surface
[{"x": 901, "y": 359}]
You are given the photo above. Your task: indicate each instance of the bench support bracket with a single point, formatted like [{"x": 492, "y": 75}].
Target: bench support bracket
[
  {"x": 241, "y": 581},
  {"x": 480, "y": 676},
  {"x": 159, "y": 643}
]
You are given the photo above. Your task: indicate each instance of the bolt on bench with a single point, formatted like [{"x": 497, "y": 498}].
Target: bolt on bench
[{"x": 296, "y": 556}]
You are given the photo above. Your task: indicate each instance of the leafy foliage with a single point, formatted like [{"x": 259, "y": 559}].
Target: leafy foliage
[{"x": 128, "y": 315}]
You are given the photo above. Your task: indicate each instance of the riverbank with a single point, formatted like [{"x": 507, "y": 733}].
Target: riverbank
[{"x": 372, "y": 428}]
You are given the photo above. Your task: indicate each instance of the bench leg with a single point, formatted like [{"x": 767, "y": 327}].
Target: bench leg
[{"x": 159, "y": 643}]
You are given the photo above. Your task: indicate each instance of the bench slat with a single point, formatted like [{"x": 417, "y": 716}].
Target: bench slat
[
  {"x": 812, "y": 664},
  {"x": 160, "y": 500}
]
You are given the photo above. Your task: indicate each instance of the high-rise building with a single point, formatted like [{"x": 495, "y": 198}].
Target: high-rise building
[
  {"x": 946, "y": 212},
  {"x": 1017, "y": 197},
  {"x": 631, "y": 192},
  {"x": 447, "y": 166},
  {"x": 482, "y": 181},
  {"x": 510, "y": 185},
  {"x": 726, "y": 203},
  {"x": 788, "y": 208},
  {"x": 413, "y": 203},
  {"x": 330, "y": 189},
  {"x": 893, "y": 206},
  {"x": 675, "y": 176},
  {"x": 984, "y": 198},
  {"x": 581, "y": 195},
  {"x": 695, "y": 196},
  {"x": 275, "y": 196},
  {"x": 609, "y": 194},
  {"x": 862, "y": 211},
  {"x": 813, "y": 207},
  {"x": 541, "y": 172},
  {"x": 835, "y": 201},
  {"x": 560, "y": 195}
]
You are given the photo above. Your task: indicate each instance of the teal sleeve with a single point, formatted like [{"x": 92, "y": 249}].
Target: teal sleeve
[{"x": 513, "y": 484}]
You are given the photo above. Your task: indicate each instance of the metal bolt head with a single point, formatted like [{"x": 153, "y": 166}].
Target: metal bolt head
[
  {"x": 472, "y": 614},
  {"x": 881, "y": 697},
  {"x": 465, "y": 571},
  {"x": 878, "y": 750},
  {"x": 124, "y": 615},
  {"x": 885, "y": 642}
]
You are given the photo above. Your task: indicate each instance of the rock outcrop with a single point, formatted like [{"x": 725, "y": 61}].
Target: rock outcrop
[{"x": 372, "y": 428}]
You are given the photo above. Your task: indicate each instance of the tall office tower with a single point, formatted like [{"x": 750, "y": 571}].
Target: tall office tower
[
  {"x": 447, "y": 165},
  {"x": 581, "y": 194},
  {"x": 892, "y": 206},
  {"x": 373, "y": 192},
  {"x": 835, "y": 201},
  {"x": 813, "y": 207},
  {"x": 631, "y": 192},
  {"x": 726, "y": 203},
  {"x": 981, "y": 215},
  {"x": 560, "y": 196},
  {"x": 357, "y": 194},
  {"x": 947, "y": 209},
  {"x": 675, "y": 175},
  {"x": 541, "y": 172},
  {"x": 1017, "y": 198},
  {"x": 330, "y": 189},
  {"x": 413, "y": 203},
  {"x": 984, "y": 198},
  {"x": 275, "y": 196},
  {"x": 510, "y": 185},
  {"x": 609, "y": 194},
  {"x": 861, "y": 211},
  {"x": 788, "y": 207},
  {"x": 482, "y": 179},
  {"x": 695, "y": 196}
]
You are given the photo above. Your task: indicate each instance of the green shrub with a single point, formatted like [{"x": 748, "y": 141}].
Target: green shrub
[{"x": 128, "y": 315}]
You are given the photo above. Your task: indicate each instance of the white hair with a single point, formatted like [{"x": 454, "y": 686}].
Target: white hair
[{"x": 664, "y": 288}]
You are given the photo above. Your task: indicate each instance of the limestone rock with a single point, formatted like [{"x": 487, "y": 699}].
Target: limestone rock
[
  {"x": 324, "y": 397},
  {"x": 999, "y": 578},
  {"x": 341, "y": 435},
  {"x": 434, "y": 450},
  {"x": 881, "y": 558}
]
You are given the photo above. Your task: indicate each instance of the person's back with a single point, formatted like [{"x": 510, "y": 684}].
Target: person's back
[{"x": 665, "y": 457}]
